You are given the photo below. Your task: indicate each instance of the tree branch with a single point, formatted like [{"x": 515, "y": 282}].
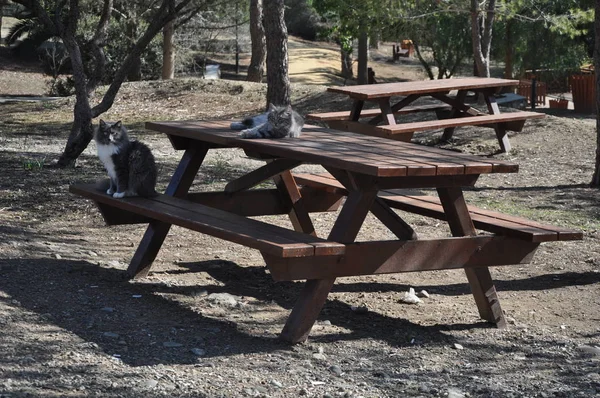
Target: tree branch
[{"x": 162, "y": 16}]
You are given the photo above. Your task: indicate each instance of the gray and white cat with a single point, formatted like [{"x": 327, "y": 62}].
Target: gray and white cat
[
  {"x": 277, "y": 122},
  {"x": 130, "y": 164}
]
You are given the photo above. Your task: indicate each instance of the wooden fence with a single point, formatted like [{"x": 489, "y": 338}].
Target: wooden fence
[
  {"x": 524, "y": 89},
  {"x": 583, "y": 88}
]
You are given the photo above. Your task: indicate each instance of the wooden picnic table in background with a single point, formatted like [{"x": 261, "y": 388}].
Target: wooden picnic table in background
[
  {"x": 452, "y": 112},
  {"x": 363, "y": 173}
]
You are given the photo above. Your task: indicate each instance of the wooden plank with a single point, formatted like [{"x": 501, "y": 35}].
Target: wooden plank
[
  {"x": 473, "y": 164},
  {"x": 383, "y": 257},
  {"x": 480, "y": 279},
  {"x": 265, "y": 202},
  {"x": 481, "y": 120},
  {"x": 415, "y": 159},
  {"x": 291, "y": 195},
  {"x": 114, "y": 216},
  {"x": 486, "y": 220},
  {"x": 371, "y": 91},
  {"x": 317, "y": 151},
  {"x": 315, "y": 291},
  {"x": 269, "y": 238},
  {"x": 365, "y": 113},
  {"x": 255, "y": 177},
  {"x": 429, "y": 206},
  {"x": 157, "y": 231}
]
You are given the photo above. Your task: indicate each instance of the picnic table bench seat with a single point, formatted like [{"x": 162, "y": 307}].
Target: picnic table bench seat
[
  {"x": 269, "y": 239},
  {"x": 512, "y": 121},
  {"x": 345, "y": 115},
  {"x": 486, "y": 220}
]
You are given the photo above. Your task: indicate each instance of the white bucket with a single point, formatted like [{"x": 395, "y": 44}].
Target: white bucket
[{"x": 212, "y": 72}]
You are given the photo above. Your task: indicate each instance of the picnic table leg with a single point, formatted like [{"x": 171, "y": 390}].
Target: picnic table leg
[
  {"x": 157, "y": 231},
  {"x": 449, "y": 131},
  {"x": 356, "y": 110},
  {"x": 298, "y": 215},
  {"x": 479, "y": 278},
  {"x": 500, "y": 129},
  {"x": 315, "y": 292}
]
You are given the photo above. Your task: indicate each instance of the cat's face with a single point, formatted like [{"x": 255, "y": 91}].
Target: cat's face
[
  {"x": 110, "y": 133},
  {"x": 279, "y": 115}
]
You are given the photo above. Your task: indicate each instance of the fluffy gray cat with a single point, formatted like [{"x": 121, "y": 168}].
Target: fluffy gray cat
[
  {"x": 130, "y": 164},
  {"x": 277, "y": 122}
]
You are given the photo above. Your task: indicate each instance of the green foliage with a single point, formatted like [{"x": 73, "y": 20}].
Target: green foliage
[
  {"x": 302, "y": 20},
  {"x": 33, "y": 164},
  {"x": 549, "y": 35},
  {"x": 61, "y": 87}
]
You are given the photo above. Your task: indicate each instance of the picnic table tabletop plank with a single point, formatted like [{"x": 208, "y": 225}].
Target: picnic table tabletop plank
[
  {"x": 348, "y": 151},
  {"x": 382, "y": 90}
]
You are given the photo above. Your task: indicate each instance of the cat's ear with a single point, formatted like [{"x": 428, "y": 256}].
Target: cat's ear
[
  {"x": 288, "y": 108},
  {"x": 102, "y": 123},
  {"x": 271, "y": 107},
  {"x": 118, "y": 124}
]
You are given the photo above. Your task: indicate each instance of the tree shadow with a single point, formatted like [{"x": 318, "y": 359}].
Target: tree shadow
[{"x": 134, "y": 320}]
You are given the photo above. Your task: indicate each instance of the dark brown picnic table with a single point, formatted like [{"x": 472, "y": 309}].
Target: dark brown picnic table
[
  {"x": 453, "y": 111},
  {"x": 366, "y": 173}
]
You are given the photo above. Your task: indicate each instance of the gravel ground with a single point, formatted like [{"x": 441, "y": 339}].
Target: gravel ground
[{"x": 205, "y": 322}]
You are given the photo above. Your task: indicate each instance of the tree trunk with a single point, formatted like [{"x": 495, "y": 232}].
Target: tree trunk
[
  {"x": 81, "y": 130},
  {"x": 168, "y": 65},
  {"x": 596, "y": 177},
  {"x": 481, "y": 35},
  {"x": 508, "y": 56},
  {"x": 135, "y": 74},
  {"x": 347, "y": 72},
  {"x": 363, "y": 57},
  {"x": 278, "y": 84},
  {"x": 375, "y": 38},
  {"x": 256, "y": 70},
  {"x": 1, "y": 17}
]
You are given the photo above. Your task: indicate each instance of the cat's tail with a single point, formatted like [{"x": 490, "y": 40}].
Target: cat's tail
[
  {"x": 246, "y": 123},
  {"x": 102, "y": 185},
  {"x": 147, "y": 193},
  {"x": 237, "y": 126}
]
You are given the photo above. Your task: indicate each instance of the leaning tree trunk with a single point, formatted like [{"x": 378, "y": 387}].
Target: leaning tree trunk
[
  {"x": 596, "y": 177},
  {"x": 256, "y": 70},
  {"x": 168, "y": 65},
  {"x": 278, "y": 84},
  {"x": 81, "y": 130}
]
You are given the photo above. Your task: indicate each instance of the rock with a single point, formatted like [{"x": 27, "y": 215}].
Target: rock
[
  {"x": 336, "y": 370},
  {"x": 588, "y": 349},
  {"x": 320, "y": 356},
  {"x": 326, "y": 323},
  {"x": 58, "y": 256},
  {"x": 423, "y": 293},
  {"x": 198, "y": 352},
  {"x": 172, "y": 344},
  {"x": 458, "y": 346},
  {"x": 225, "y": 299},
  {"x": 93, "y": 254},
  {"x": 275, "y": 383},
  {"x": 455, "y": 393},
  {"x": 149, "y": 384},
  {"x": 111, "y": 335},
  {"x": 410, "y": 297},
  {"x": 362, "y": 309}
]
